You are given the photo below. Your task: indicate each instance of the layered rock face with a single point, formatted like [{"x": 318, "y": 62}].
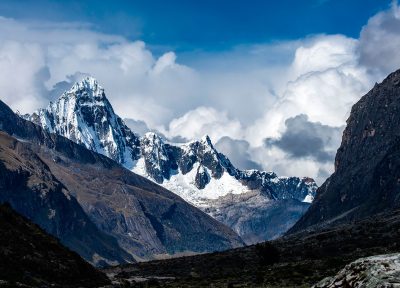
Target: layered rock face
[
  {"x": 78, "y": 195},
  {"x": 367, "y": 165},
  {"x": 196, "y": 171}
]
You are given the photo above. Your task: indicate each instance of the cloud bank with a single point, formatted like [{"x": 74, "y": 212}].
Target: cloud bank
[
  {"x": 279, "y": 106},
  {"x": 238, "y": 151},
  {"x": 305, "y": 139}
]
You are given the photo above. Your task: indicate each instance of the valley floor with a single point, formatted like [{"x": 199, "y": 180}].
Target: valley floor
[{"x": 299, "y": 260}]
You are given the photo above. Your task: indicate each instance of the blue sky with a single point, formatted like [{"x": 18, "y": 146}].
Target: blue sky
[
  {"x": 204, "y": 25},
  {"x": 259, "y": 77}
]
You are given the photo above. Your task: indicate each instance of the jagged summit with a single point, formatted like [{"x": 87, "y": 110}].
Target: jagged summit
[
  {"x": 88, "y": 87},
  {"x": 206, "y": 139},
  {"x": 85, "y": 92},
  {"x": 153, "y": 136},
  {"x": 84, "y": 115},
  {"x": 196, "y": 171}
]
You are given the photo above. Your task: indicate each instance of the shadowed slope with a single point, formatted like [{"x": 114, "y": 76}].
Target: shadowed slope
[
  {"x": 366, "y": 177},
  {"x": 32, "y": 257},
  {"x": 29, "y": 186}
]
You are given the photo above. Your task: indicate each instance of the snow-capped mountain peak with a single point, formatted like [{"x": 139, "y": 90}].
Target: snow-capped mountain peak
[
  {"x": 196, "y": 171},
  {"x": 206, "y": 140},
  {"x": 88, "y": 87},
  {"x": 155, "y": 156},
  {"x": 84, "y": 115},
  {"x": 154, "y": 138}
]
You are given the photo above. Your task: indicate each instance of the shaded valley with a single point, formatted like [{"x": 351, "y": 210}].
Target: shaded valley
[{"x": 298, "y": 260}]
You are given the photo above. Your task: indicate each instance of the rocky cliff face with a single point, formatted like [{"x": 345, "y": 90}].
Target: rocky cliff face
[
  {"x": 366, "y": 177},
  {"x": 145, "y": 219},
  {"x": 196, "y": 171},
  {"x": 32, "y": 258}
]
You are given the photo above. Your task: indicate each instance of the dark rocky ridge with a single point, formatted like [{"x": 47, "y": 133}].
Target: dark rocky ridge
[
  {"x": 31, "y": 257},
  {"x": 145, "y": 218},
  {"x": 367, "y": 165},
  {"x": 27, "y": 183}
]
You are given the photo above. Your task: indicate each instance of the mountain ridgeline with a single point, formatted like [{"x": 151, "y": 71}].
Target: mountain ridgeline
[
  {"x": 355, "y": 214},
  {"x": 109, "y": 214},
  {"x": 97, "y": 208},
  {"x": 257, "y": 205}
]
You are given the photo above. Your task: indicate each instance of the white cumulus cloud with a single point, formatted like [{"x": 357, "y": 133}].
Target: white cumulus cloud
[
  {"x": 242, "y": 96},
  {"x": 379, "y": 42},
  {"x": 204, "y": 121}
]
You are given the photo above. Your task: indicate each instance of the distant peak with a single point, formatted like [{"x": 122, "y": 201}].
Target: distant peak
[
  {"x": 150, "y": 135},
  {"x": 89, "y": 79},
  {"x": 206, "y": 139},
  {"x": 308, "y": 180},
  {"x": 153, "y": 137},
  {"x": 89, "y": 82},
  {"x": 89, "y": 85}
]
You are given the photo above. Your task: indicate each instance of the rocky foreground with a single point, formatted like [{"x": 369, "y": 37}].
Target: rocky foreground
[{"x": 375, "y": 271}]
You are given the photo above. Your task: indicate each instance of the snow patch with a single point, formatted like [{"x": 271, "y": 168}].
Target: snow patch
[
  {"x": 184, "y": 186},
  {"x": 308, "y": 199}
]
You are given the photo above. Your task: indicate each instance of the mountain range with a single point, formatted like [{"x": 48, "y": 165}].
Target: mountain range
[
  {"x": 96, "y": 207},
  {"x": 110, "y": 215},
  {"x": 258, "y": 205},
  {"x": 355, "y": 215}
]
